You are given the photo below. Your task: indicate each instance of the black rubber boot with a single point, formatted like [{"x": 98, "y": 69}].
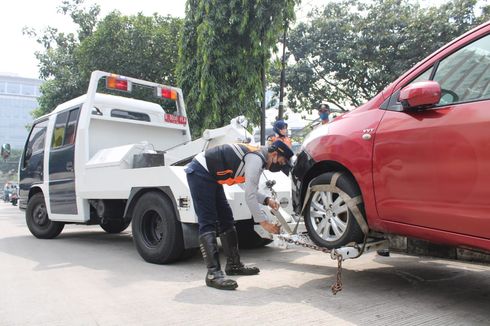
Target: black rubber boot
[
  {"x": 229, "y": 240},
  {"x": 215, "y": 277}
]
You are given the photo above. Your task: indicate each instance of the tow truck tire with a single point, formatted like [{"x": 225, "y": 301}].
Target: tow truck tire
[
  {"x": 38, "y": 221},
  {"x": 247, "y": 237},
  {"x": 328, "y": 237},
  {"x": 115, "y": 226},
  {"x": 157, "y": 234}
]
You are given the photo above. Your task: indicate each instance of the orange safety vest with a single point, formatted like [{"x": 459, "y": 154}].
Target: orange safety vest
[
  {"x": 226, "y": 162},
  {"x": 285, "y": 140}
]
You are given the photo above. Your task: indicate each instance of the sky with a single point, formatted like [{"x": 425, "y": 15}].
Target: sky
[{"x": 17, "y": 51}]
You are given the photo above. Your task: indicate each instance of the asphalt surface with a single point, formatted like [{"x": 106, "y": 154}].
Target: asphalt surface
[{"x": 88, "y": 277}]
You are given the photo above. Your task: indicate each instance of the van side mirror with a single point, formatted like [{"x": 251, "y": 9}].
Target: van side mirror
[
  {"x": 5, "y": 151},
  {"x": 420, "y": 95}
]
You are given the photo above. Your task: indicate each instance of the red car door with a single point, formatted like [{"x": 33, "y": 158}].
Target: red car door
[{"x": 432, "y": 167}]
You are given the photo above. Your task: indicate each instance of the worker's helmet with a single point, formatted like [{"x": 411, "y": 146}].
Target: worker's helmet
[{"x": 279, "y": 125}]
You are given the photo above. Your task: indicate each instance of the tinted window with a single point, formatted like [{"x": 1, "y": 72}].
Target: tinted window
[
  {"x": 35, "y": 144},
  {"x": 465, "y": 74},
  {"x": 65, "y": 128},
  {"x": 130, "y": 115},
  {"x": 71, "y": 127},
  {"x": 59, "y": 130}
]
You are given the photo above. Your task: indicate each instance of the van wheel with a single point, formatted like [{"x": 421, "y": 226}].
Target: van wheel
[
  {"x": 247, "y": 237},
  {"x": 156, "y": 232},
  {"x": 329, "y": 221},
  {"x": 115, "y": 226},
  {"x": 38, "y": 221}
]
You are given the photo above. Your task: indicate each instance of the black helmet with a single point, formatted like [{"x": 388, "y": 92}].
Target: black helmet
[
  {"x": 279, "y": 125},
  {"x": 283, "y": 149},
  {"x": 323, "y": 107}
]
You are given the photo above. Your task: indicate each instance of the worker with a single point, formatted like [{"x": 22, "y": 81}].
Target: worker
[
  {"x": 324, "y": 111},
  {"x": 227, "y": 165},
  {"x": 280, "y": 129}
]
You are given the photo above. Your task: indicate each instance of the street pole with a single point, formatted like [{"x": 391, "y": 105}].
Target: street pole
[
  {"x": 262, "y": 108},
  {"x": 283, "y": 75}
]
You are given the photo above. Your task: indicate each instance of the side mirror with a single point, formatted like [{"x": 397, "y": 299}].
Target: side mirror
[
  {"x": 420, "y": 95},
  {"x": 5, "y": 152}
]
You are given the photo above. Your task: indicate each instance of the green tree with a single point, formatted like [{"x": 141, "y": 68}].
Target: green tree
[
  {"x": 225, "y": 46},
  {"x": 350, "y": 50},
  {"x": 136, "y": 46},
  {"x": 9, "y": 167}
]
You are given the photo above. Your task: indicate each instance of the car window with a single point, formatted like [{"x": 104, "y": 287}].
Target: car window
[
  {"x": 35, "y": 143},
  {"x": 423, "y": 77},
  {"x": 465, "y": 75}
]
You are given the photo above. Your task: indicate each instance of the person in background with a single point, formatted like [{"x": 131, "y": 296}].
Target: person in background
[
  {"x": 324, "y": 112},
  {"x": 280, "y": 129}
]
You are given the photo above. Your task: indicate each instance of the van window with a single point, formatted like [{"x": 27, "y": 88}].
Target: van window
[
  {"x": 59, "y": 130},
  {"x": 35, "y": 143},
  {"x": 71, "y": 127},
  {"x": 466, "y": 73},
  {"x": 65, "y": 128},
  {"x": 116, "y": 113}
]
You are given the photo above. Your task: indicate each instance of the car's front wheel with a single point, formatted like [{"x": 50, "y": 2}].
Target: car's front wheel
[{"x": 329, "y": 220}]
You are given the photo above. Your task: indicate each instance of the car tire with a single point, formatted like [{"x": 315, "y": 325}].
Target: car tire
[
  {"x": 38, "y": 221},
  {"x": 115, "y": 226},
  {"x": 157, "y": 234},
  {"x": 329, "y": 222},
  {"x": 247, "y": 237}
]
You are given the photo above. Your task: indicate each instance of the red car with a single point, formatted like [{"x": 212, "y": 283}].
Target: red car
[{"x": 413, "y": 161}]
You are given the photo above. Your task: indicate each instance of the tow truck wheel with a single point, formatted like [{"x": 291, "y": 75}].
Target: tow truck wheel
[
  {"x": 38, "y": 221},
  {"x": 329, "y": 221},
  {"x": 115, "y": 226},
  {"x": 157, "y": 234},
  {"x": 247, "y": 237}
]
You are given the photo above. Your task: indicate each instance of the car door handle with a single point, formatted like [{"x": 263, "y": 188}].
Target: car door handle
[{"x": 69, "y": 166}]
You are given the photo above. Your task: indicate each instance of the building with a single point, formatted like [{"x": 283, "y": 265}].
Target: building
[{"x": 18, "y": 98}]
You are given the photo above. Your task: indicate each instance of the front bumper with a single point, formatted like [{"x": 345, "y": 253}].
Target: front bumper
[{"x": 299, "y": 173}]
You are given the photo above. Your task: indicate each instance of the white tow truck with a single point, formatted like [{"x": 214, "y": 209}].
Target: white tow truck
[{"x": 114, "y": 160}]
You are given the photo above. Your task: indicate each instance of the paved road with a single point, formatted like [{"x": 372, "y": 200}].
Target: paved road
[{"x": 88, "y": 277}]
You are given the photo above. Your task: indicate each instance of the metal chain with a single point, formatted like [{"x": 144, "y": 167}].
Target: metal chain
[
  {"x": 337, "y": 286},
  {"x": 304, "y": 244}
]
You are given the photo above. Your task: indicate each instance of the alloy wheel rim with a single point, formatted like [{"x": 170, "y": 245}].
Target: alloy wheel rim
[{"x": 329, "y": 215}]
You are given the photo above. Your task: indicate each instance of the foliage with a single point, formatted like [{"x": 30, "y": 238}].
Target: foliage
[
  {"x": 9, "y": 167},
  {"x": 350, "y": 50},
  {"x": 224, "y": 48},
  {"x": 137, "y": 46}
]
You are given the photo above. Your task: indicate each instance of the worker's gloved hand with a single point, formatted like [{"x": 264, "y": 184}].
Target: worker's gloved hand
[
  {"x": 269, "y": 227},
  {"x": 273, "y": 204}
]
